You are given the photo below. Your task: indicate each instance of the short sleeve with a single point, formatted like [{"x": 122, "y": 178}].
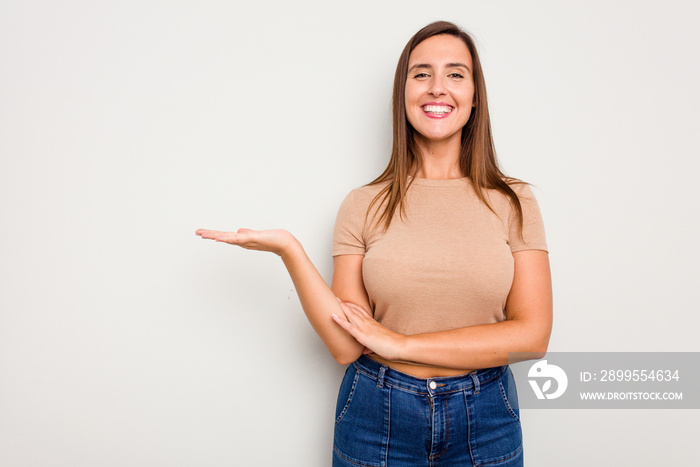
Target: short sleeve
[
  {"x": 533, "y": 237},
  {"x": 348, "y": 236}
]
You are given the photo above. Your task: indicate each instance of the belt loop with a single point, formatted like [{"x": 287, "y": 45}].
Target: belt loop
[
  {"x": 380, "y": 378},
  {"x": 475, "y": 379}
]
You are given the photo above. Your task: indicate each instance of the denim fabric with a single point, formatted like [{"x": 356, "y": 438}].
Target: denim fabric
[{"x": 385, "y": 418}]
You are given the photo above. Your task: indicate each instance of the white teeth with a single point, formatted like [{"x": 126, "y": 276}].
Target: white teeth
[{"x": 437, "y": 109}]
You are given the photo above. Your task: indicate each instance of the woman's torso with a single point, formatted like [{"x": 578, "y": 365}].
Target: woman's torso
[{"x": 446, "y": 264}]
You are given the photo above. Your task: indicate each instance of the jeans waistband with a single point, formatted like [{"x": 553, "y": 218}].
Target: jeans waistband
[{"x": 387, "y": 376}]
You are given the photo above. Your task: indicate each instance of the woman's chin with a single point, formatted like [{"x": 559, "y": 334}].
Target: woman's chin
[{"x": 437, "y": 137}]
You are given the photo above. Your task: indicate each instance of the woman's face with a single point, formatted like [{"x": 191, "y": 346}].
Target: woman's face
[{"x": 439, "y": 88}]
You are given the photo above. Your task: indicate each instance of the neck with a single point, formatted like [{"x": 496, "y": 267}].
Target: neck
[{"x": 439, "y": 159}]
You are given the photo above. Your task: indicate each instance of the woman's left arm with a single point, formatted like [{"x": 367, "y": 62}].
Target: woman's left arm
[{"x": 526, "y": 329}]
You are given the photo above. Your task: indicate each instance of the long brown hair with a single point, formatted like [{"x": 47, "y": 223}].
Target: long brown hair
[{"x": 477, "y": 159}]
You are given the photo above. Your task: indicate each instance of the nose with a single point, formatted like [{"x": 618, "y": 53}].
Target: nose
[{"x": 437, "y": 87}]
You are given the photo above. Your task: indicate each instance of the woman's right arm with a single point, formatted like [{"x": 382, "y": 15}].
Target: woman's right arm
[{"x": 317, "y": 299}]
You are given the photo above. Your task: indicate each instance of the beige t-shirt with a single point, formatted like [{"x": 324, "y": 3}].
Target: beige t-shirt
[{"x": 448, "y": 262}]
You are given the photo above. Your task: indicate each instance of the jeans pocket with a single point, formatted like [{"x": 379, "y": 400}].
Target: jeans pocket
[
  {"x": 362, "y": 421},
  {"x": 496, "y": 430},
  {"x": 347, "y": 390},
  {"x": 509, "y": 393}
]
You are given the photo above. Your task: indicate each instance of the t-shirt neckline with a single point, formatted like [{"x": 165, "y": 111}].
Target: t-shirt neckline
[{"x": 439, "y": 182}]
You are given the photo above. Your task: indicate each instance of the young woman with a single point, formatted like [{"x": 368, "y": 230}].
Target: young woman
[{"x": 440, "y": 272}]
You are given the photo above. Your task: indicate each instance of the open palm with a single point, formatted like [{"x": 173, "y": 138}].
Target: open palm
[{"x": 275, "y": 241}]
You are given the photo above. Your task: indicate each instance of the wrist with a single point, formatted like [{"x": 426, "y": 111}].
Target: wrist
[{"x": 290, "y": 248}]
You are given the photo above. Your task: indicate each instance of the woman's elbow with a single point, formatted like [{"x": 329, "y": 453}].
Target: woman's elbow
[
  {"x": 539, "y": 346},
  {"x": 537, "y": 354},
  {"x": 343, "y": 359},
  {"x": 534, "y": 344},
  {"x": 346, "y": 356}
]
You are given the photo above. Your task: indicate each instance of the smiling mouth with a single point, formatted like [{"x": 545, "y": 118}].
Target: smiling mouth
[{"x": 437, "y": 109}]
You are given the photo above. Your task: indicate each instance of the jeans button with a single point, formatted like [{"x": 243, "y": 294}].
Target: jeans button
[{"x": 433, "y": 385}]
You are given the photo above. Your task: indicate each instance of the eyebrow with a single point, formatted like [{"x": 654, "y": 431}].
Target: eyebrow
[{"x": 449, "y": 65}]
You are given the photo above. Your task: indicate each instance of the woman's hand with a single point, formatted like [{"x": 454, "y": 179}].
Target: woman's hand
[
  {"x": 317, "y": 299},
  {"x": 276, "y": 241},
  {"x": 368, "y": 332}
]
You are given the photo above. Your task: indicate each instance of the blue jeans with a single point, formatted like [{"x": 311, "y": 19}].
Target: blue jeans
[{"x": 386, "y": 418}]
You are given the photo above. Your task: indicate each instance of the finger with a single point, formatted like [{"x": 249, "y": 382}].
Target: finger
[
  {"x": 353, "y": 315},
  {"x": 351, "y": 322},
  {"x": 243, "y": 239},
  {"x": 243, "y": 236},
  {"x": 364, "y": 311},
  {"x": 359, "y": 310},
  {"x": 225, "y": 237},
  {"x": 355, "y": 306},
  {"x": 228, "y": 237},
  {"x": 342, "y": 322},
  {"x": 359, "y": 323},
  {"x": 346, "y": 306},
  {"x": 343, "y": 306},
  {"x": 339, "y": 318},
  {"x": 201, "y": 232},
  {"x": 209, "y": 234}
]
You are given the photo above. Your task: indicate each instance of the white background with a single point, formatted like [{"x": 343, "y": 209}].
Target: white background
[{"x": 125, "y": 126}]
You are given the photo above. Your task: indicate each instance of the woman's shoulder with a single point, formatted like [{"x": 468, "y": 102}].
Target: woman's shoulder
[
  {"x": 352, "y": 219},
  {"x": 502, "y": 204},
  {"x": 520, "y": 188},
  {"x": 365, "y": 194}
]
